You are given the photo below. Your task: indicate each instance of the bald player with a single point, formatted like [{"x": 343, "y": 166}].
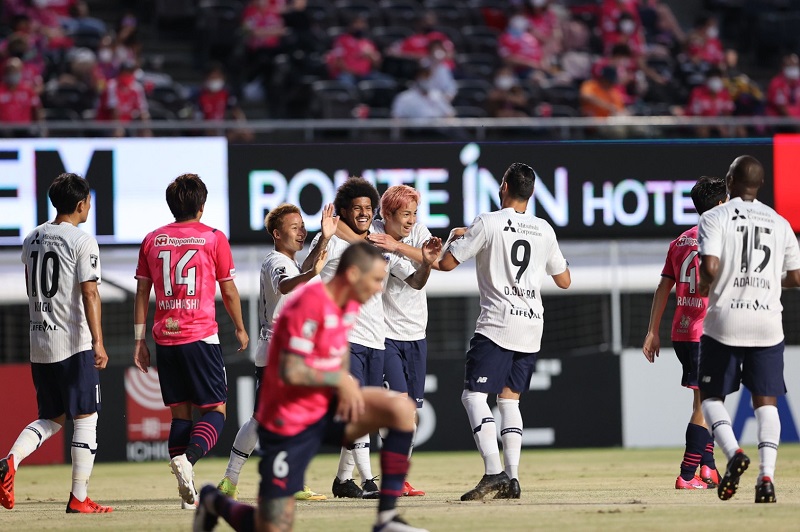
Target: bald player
[{"x": 745, "y": 247}]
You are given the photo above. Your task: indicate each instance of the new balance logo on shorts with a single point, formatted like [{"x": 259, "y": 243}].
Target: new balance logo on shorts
[{"x": 481, "y": 380}]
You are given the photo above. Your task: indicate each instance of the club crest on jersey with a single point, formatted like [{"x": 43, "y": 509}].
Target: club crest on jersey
[
  {"x": 309, "y": 328},
  {"x": 280, "y": 271},
  {"x": 172, "y": 326},
  {"x": 93, "y": 261},
  {"x": 509, "y": 227}
]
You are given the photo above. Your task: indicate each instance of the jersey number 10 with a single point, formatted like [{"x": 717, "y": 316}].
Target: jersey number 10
[{"x": 49, "y": 286}]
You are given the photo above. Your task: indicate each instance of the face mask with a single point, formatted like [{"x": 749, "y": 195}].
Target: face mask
[
  {"x": 215, "y": 85},
  {"x": 41, "y": 3},
  {"x": 715, "y": 84},
  {"x": 518, "y": 24},
  {"x": 627, "y": 26},
  {"x": 13, "y": 79},
  {"x": 424, "y": 85},
  {"x": 792, "y": 72},
  {"x": 539, "y": 3},
  {"x": 105, "y": 55},
  {"x": 712, "y": 32},
  {"x": 504, "y": 82},
  {"x": 439, "y": 54}
]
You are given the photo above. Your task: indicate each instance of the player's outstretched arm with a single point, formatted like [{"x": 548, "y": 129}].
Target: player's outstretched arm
[
  {"x": 652, "y": 341},
  {"x": 430, "y": 253},
  {"x": 91, "y": 308},
  {"x": 290, "y": 283},
  {"x": 709, "y": 268},
  {"x": 141, "y": 353},
  {"x": 230, "y": 298}
]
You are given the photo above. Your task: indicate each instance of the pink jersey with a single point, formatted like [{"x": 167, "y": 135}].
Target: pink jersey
[
  {"x": 312, "y": 326},
  {"x": 683, "y": 266},
  {"x": 185, "y": 261}
]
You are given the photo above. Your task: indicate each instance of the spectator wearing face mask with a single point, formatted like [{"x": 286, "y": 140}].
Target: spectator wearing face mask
[
  {"x": 545, "y": 25},
  {"x": 704, "y": 42},
  {"x": 421, "y": 101},
  {"x": 215, "y": 102},
  {"x": 441, "y": 71},
  {"x": 710, "y": 100},
  {"x": 416, "y": 46},
  {"x": 611, "y": 11},
  {"x": 628, "y": 32},
  {"x": 507, "y": 99},
  {"x": 601, "y": 96},
  {"x": 19, "y": 102},
  {"x": 19, "y": 46},
  {"x": 518, "y": 47},
  {"x": 124, "y": 100},
  {"x": 783, "y": 94},
  {"x": 354, "y": 57}
]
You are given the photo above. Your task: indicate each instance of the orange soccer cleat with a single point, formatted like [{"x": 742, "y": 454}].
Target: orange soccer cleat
[
  {"x": 88, "y": 506},
  {"x": 410, "y": 491},
  {"x": 7, "y": 472}
]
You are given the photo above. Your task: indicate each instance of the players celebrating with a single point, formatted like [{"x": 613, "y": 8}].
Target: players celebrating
[
  {"x": 745, "y": 247},
  {"x": 183, "y": 261},
  {"x": 309, "y": 397},
  {"x": 62, "y": 270},
  {"x": 681, "y": 271},
  {"x": 513, "y": 250},
  {"x": 280, "y": 274}
]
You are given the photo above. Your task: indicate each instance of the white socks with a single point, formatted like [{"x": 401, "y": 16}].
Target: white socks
[
  {"x": 347, "y": 463},
  {"x": 719, "y": 424},
  {"x": 511, "y": 434},
  {"x": 31, "y": 438},
  {"x": 769, "y": 434},
  {"x": 243, "y": 446},
  {"x": 84, "y": 448},
  {"x": 358, "y": 456},
  {"x": 483, "y": 429}
]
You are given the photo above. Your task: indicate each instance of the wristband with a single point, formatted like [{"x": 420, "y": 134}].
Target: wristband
[{"x": 138, "y": 331}]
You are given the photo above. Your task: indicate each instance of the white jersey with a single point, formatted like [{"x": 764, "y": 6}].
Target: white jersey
[
  {"x": 370, "y": 328},
  {"x": 513, "y": 251},
  {"x": 405, "y": 309},
  {"x": 755, "y": 245},
  {"x": 58, "y": 258},
  {"x": 275, "y": 268}
]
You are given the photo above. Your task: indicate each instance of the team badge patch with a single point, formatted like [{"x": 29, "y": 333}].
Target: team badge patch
[
  {"x": 309, "y": 328},
  {"x": 280, "y": 271},
  {"x": 93, "y": 260}
]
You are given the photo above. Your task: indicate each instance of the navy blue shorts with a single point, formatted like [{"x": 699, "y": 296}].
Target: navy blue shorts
[
  {"x": 723, "y": 367},
  {"x": 284, "y": 459},
  {"x": 192, "y": 373},
  {"x": 70, "y": 387},
  {"x": 366, "y": 365},
  {"x": 689, "y": 356},
  {"x": 490, "y": 368},
  {"x": 404, "y": 367},
  {"x": 259, "y": 374}
]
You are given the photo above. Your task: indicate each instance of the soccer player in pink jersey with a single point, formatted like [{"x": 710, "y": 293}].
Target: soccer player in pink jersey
[
  {"x": 681, "y": 271},
  {"x": 309, "y": 397},
  {"x": 183, "y": 261}
]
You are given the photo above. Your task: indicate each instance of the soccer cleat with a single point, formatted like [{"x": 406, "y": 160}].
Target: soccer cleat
[
  {"x": 488, "y": 484},
  {"x": 88, "y": 506},
  {"x": 347, "y": 489},
  {"x": 187, "y": 506},
  {"x": 736, "y": 466},
  {"x": 7, "y": 472},
  {"x": 226, "y": 487},
  {"x": 709, "y": 476},
  {"x": 410, "y": 491},
  {"x": 512, "y": 491},
  {"x": 205, "y": 518},
  {"x": 396, "y": 524},
  {"x": 307, "y": 494},
  {"x": 765, "y": 490},
  {"x": 696, "y": 483},
  {"x": 369, "y": 489},
  {"x": 183, "y": 471}
]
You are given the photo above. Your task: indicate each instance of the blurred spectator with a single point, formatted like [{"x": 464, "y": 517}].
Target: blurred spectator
[
  {"x": 416, "y": 46},
  {"x": 783, "y": 94},
  {"x": 80, "y": 21},
  {"x": 127, "y": 45},
  {"x": 692, "y": 68},
  {"x": 47, "y": 22},
  {"x": 601, "y": 96},
  {"x": 630, "y": 77},
  {"x": 215, "y": 102},
  {"x": 519, "y": 48},
  {"x": 60, "y": 8},
  {"x": 507, "y": 99},
  {"x": 748, "y": 98},
  {"x": 19, "y": 102},
  {"x": 627, "y": 32},
  {"x": 712, "y": 99},
  {"x": 545, "y": 25},
  {"x": 422, "y": 101},
  {"x": 124, "y": 100},
  {"x": 83, "y": 76},
  {"x": 19, "y": 46},
  {"x": 354, "y": 57},
  {"x": 661, "y": 27},
  {"x": 441, "y": 71},
  {"x": 107, "y": 61},
  {"x": 611, "y": 14},
  {"x": 703, "y": 41}
]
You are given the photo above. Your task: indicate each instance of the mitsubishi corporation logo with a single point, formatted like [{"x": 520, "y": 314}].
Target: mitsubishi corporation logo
[
  {"x": 737, "y": 215},
  {"x": 509, "y": 227}
]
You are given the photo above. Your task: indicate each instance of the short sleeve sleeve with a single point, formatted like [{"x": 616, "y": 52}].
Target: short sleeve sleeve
[
  {"x": 791, "y": 257},
  {"x": 225, "y": 267},
  {"x": 556, "y": 263},
  {"x": 88, "y": 261},
  {"x": 302, "y": 322},
  {"x": 471, "y": 243},
  {"x": 709, "y": 234},
  {"x": 142, "y": 270},
  {"x": 669, "y": 269},
  {"x": 277, "y": 273}
]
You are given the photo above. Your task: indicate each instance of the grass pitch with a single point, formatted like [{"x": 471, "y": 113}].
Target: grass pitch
[{"x": 607, "y": 489}]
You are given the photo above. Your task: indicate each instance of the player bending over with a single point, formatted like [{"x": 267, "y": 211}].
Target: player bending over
[
  {"x": 309, "y": 397},
  {"x": 681, "y": 271}
]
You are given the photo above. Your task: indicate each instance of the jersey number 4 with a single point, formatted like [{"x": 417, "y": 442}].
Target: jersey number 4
[
  {"x": 48, "y": 283},
  {"x": 689, "y": 272},
  {"x": 183, "y": 275}
]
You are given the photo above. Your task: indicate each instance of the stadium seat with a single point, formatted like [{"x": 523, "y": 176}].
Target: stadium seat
[
  {"x": 453, "y": 13},
  {"x": 332, "y": 99},
  {"x": 399, "y": 12},
  {"x": 454, "y": 34},
  {"x": 472, "y": 93},
  {"x": 378, "y": 93},
  {"x": 476, "y": 66},
  {"x": 470, "y": 111},
  {"x": 159, "y": 112},
  {"x": 347, "y": 10},
  {"x": 172, "y": 99},
  {"x": 561, "y": 95},
  {"x": 321, "y": 13},
  {"x": 480, "y": 39},
  {"x": 66, "y": 97},
  {"x": 491, "y": 13},
  {"x": 218, "y": 24},
  {"x": 86, "y": 38},
  {"x": 400, "y": 68},
  {"x": 385, "y": 36}
]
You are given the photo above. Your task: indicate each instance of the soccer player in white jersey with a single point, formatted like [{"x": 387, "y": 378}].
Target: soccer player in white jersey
[
  {"x": 62, "y": 270},
  {"x": 356, "y": 200},
  {"x": 745, "y": 247},
  {"x": 513, "y": 251},
  {"x": 280, "y": 275}
]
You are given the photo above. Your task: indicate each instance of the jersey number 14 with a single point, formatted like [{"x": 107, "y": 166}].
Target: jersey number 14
[{"x": 183, "y": 275}]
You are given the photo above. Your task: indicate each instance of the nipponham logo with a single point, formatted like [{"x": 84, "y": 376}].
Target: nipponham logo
[
  {"x": 166, "y": 240},
  {"x": 161, "y": 240}
]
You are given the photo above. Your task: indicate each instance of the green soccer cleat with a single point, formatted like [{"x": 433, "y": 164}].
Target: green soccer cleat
[
  {"x": 307, "y": 494},
  {"x": 226, "y": 487}
]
